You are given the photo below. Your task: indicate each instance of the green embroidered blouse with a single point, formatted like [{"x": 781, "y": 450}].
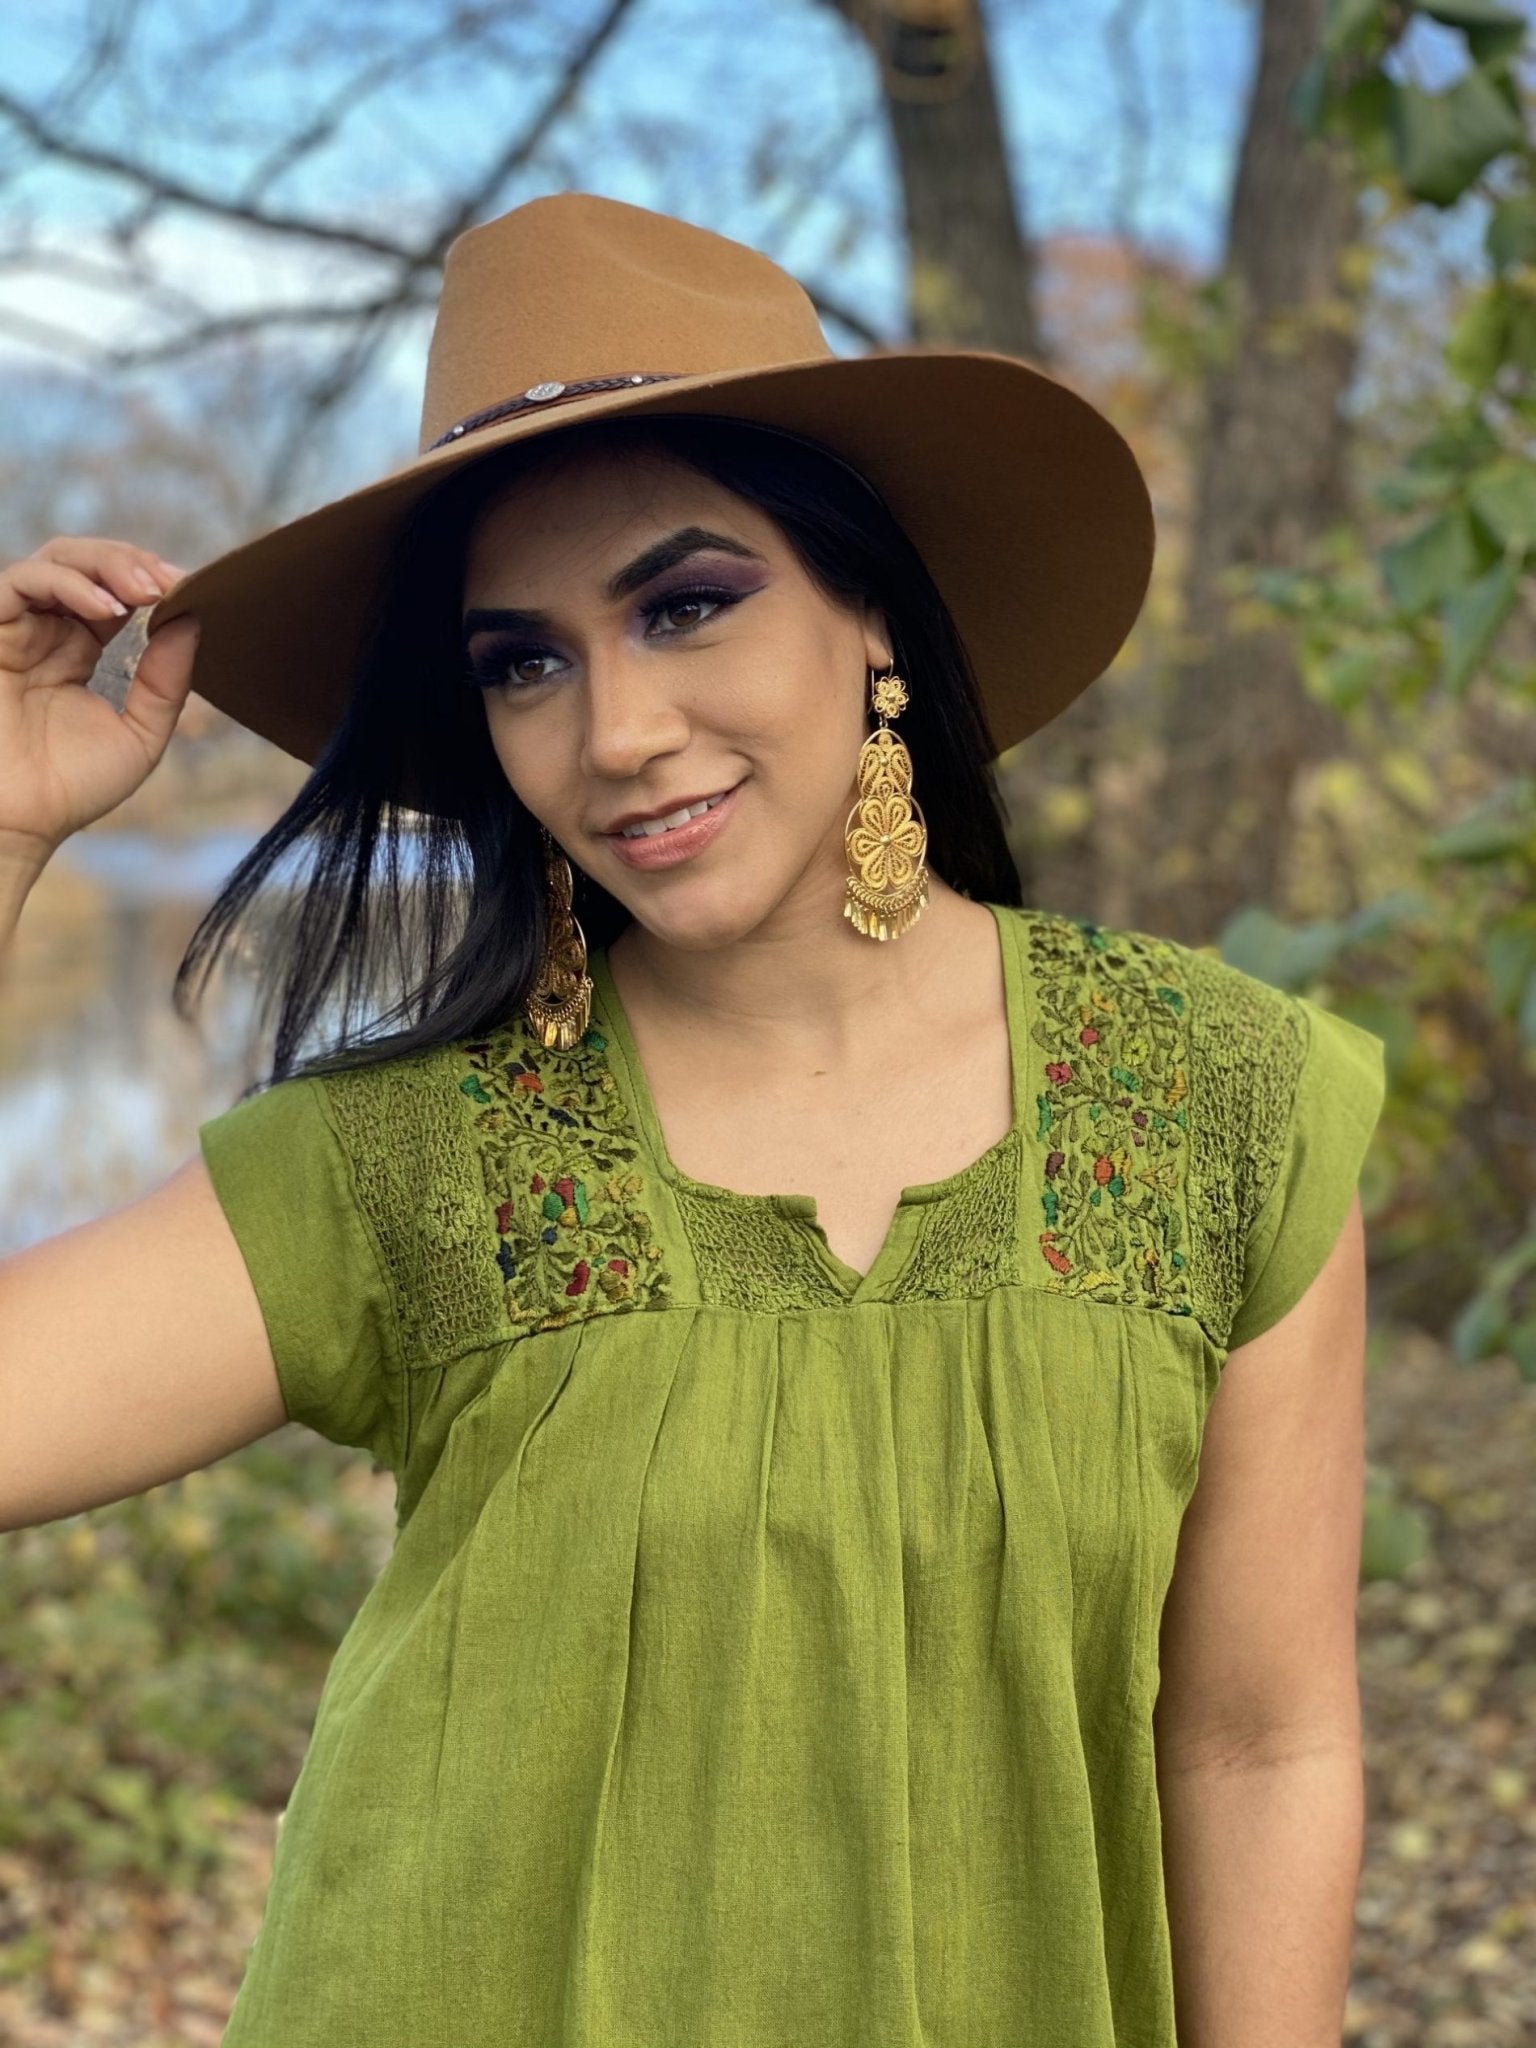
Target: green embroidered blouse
[{"x": 767, "y": 1652}]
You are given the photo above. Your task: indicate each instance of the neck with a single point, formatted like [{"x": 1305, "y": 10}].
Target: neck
[{"x": 804, "y": 976}]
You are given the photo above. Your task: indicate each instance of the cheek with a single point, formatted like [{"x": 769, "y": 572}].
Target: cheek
[
  {"x": 808, "y": 768},
  {"x": 506, "y": 752},
  {"x": 803, "y": 702},
  {"x": 533, "y": 761}
]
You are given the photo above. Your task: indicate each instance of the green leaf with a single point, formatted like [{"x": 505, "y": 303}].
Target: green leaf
[
  {"x": 1385, "y": 914},
  {"x": 1521, "y": 1346},
  {"x": 1431, "y": 563},
  {"x": 1504, "y": 497},
  {"x": 1444, "y": 139},
  {"x": 125, "y": 1792},
  {"x": 1501, "y": 824},
  {"x": 1477, "y": 1331},
  {"x": 1288, "y": 590},
  {"x": 1509, "y": 955},
  {"x": 1492, "y": 32},
  {"x": 1287, "y": 956},
  {"x": 1512, "y": 1264},
  {"x": 1409, "y": 490},
  {"x": 1469, "y": 13},
  {"x": 1293, "y": 956},
  {"x": 1394, "y": 1535},
  {"x": 1348, "y": 676},
  {"x": 1363, "y": 114},
  {"x": 1527, "y": 1017},
  {"x": 1461, "y": 441},
  {"x": 1349, "y": 25},
  {"x": 1395, "y": 1024},
  {"x": 1520, "y": 331},
  {"x": 1494, "y": 328},
  {"x": 1494, "y": 45},
  {"x": 1510, "y": 236},
  {"x": 1472, "y": 618}
]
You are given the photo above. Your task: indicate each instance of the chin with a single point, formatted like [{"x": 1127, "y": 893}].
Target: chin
[{"x": 702, "y": 913}]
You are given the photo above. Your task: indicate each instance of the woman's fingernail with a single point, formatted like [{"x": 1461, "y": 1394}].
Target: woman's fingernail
[
  {"x": 115, "y": 601},
  {"x": 170, "y": 569},
  {"x": 150, "y": 585}
]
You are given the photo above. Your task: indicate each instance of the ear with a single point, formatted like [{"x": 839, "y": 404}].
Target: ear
[{"x": 878, "y": 651}]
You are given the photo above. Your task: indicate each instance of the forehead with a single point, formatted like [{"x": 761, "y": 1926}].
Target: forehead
[{"x": 592, "y": 504}]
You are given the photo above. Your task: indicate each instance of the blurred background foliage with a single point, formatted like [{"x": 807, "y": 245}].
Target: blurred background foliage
[{"x": 1317, "y": 753}]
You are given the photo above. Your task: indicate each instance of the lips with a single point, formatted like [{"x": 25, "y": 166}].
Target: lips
[
  {"x": 651, "y": 825},
  {"x": 675, "y": 845}
]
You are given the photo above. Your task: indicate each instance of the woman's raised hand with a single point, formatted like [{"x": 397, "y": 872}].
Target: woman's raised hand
[{"x": 67, "y": 757}]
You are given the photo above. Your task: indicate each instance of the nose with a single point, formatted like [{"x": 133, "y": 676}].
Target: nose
[{"x": 630, "y": 714}]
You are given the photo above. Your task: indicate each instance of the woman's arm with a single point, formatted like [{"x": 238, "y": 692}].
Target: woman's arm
[
  {"x": 1260, "y": 1771},
  {"x": 133, "y": 1348}
]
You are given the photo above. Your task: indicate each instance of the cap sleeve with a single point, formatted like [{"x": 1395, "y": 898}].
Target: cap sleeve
[
  {"x": 1340, "y": 1087},
  {"x": 285, "y": 1183}
]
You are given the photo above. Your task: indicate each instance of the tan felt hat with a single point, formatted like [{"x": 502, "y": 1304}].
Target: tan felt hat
[{"x": 1028, "y": 507}]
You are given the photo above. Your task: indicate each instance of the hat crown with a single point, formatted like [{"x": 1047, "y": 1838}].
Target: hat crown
[{"x": 575, "y": 285}]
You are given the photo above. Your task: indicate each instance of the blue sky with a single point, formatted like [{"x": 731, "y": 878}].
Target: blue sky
[
  {"x": 686, "y": 106},
  {"x": 672, "y": 56},
  {"x": 696, "y": 83}
]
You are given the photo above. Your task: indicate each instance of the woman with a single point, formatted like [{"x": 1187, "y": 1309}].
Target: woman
[{"x": 795, "y": 1284}]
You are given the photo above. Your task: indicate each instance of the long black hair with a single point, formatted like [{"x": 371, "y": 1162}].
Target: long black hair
[{"x": 432, "y": 917}]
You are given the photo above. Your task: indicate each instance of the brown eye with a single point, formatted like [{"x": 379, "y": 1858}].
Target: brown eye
[
  {"x": 509, "y": 667},
  {"x": 521, "y": 663},
  {"x": 689, "y": 601}
]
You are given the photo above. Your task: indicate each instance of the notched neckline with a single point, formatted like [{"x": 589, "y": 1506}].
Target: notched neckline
[{"x": 609, "y": 1008}]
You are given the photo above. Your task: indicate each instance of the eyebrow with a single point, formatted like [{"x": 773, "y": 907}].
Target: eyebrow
[{"x": 662, "y": 555}]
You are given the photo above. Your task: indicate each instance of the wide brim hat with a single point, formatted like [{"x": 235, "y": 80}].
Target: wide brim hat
[{"x": 1027, "y": 505}]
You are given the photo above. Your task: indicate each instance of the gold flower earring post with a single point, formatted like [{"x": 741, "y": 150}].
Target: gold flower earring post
[
  {"x": 559, "y": 1006},
  {"x": 885, "y": 834}
]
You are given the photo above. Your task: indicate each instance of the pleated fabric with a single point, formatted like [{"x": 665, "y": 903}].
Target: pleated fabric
[{"x": 744, "y": 1677}]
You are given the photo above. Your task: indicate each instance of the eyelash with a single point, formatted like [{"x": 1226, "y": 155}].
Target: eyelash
[{"x": 490, "y": 670}]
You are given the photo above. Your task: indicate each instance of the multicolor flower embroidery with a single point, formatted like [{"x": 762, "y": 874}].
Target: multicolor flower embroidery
[
  {"x": 1163, "y": 1099},
  {"x": 1167, "y": 1089},
  {"x": 1112, "y": 1113},
  {"x": 572, "y": 1237}
]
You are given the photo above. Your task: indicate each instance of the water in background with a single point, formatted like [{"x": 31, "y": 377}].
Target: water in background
[{"x": 102, "y": 1085}]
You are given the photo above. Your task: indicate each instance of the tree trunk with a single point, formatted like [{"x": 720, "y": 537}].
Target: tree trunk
[
  {"x": 971, "y": 264},
  {"x": 971, "y": 267},
  {"x": 1270, "y": 475}
]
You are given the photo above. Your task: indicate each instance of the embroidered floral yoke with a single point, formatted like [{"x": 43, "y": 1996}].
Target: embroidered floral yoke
[{"x": 768, "y": 1651}]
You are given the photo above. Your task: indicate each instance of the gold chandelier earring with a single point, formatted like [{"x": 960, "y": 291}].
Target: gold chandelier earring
[
  {"x": 885, "y": 835},
  {"x": 559, "y": 1006}
]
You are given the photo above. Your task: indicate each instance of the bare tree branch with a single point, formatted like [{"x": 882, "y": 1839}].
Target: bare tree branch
[
  {"x": 43, "y": 334},
  {"x": 178, "y": 192},
  {"x": 102, "y": 56},
  {"x": 1135, "y": 114},
  {"x": 810, "y": 190},
  {"x": 236, "y": 326},
  {"x": 130, "y": 279},
  {"x": 459, "y": 26},
  {"x": 234, "y": 31},
  {"x": 466, "y": 210},
  {"x": 356, "y": 325},
  {"x": 839, "y": 309},
  {"x": 324, "y": 398},
  {"x": 340, "y": 379}
]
